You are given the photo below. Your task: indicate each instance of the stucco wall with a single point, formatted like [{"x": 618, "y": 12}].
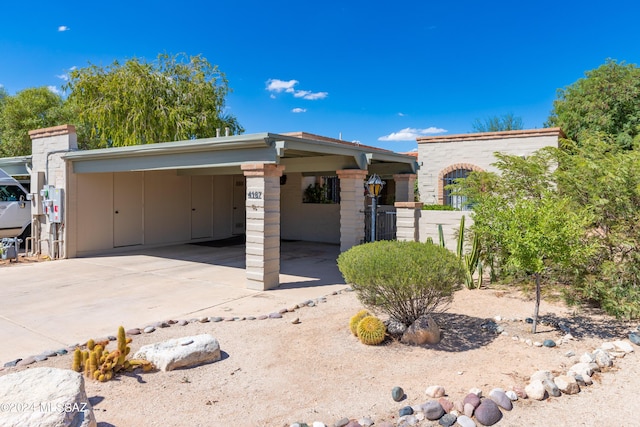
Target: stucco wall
[
  {"x": 450, "y": 221},
  {"x": 311, "y": 222},
  {"x": 166, "y": 209},
  {"x": 439, "y": 153}
]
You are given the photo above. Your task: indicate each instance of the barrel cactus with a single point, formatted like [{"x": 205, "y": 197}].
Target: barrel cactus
[
  {"x": 371, "y": 330},
  {"x": 353, "y": 323}
]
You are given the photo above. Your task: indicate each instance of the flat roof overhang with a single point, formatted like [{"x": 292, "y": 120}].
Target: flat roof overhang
[
  {"x": 224, "y": 155},
  {"x": 15, "y": 166}
]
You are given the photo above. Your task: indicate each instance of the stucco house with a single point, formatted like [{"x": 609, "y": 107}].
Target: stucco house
[
  {"x": 98, "y": 201},
  {"x": 443, "y": 159}
]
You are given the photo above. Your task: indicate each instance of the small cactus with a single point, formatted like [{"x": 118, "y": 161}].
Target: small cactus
[
  {"x": 353, "y": 323},
  {"x": 93, "y": 364},
  {"x": 101, "y": 364},
  {"x": 371, "y": 330},
  {"x": 77, "y": 360}
]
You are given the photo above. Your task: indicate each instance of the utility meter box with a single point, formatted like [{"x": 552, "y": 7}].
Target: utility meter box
[
  {"x": 52, "y": 203},
  {"x": 55, "y": 214}
]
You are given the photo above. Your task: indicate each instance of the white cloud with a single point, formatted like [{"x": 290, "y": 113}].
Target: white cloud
[
  {"x": 299, "y": 110},
  {"x": 275, "y": 85},
  {"x": 401, "y": 114},
  {"x": 63, "y": 28},
  {"x": 410, "y": 134},
  {"x": 304, "y": 94},
  {"x": 278, "y": 86},
  {"x": 54, "y": 89},
  {"x": 65, "y": 76}
]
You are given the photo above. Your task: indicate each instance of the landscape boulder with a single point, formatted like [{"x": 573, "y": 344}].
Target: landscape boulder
[
  {"x": 45, "y": 397},
  {"x": 424, "y": 330},
  {"x": 488, "y": 413},
  {"x": 567, "y": 384},
  {"x": 181, "y": 352}
]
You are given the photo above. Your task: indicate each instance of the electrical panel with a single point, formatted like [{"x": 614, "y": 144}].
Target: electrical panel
[
  {"x": 52, "y": 203},
  {"x": 56, "y": 213}
]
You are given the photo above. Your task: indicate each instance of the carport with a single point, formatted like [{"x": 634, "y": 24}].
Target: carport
[{"x": 208, "y": 189}]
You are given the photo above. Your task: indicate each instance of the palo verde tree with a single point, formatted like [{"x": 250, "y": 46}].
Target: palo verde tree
[
  {"x": 497, "y": 123},
  {"x": 29, "y": 109},
  {"x": 519, "y": 216},
  {"x": 606, "y": 100},
  {"x": 138, "y": 102}
]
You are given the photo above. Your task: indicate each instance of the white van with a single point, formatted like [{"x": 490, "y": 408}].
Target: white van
[{"x": 15, "y": 209}]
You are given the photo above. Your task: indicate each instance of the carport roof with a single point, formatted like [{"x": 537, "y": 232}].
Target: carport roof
[{"x": 298, "y": 152}]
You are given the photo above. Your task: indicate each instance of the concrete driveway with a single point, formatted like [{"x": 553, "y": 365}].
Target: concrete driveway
[{"x": 50, "y": 305}]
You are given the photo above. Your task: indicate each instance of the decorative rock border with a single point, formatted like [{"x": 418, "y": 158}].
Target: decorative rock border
[{"x": 486, "y": 411}]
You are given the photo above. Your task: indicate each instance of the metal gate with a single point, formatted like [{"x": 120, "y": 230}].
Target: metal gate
[{"x": 385, "y": 225}]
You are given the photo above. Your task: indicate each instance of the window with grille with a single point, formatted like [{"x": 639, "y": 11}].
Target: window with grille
[
  {"x": 457, "y": 202},
  {"x": 321, "y": 189}
]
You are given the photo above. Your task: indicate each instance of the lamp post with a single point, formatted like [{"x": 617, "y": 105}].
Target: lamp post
[{"x": 374, "y": 187}]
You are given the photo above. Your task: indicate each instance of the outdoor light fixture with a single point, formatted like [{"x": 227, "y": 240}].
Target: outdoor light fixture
[{"x": 374, "y": 187}]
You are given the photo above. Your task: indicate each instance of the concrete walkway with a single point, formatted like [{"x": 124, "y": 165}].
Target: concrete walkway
[{"x": 50, "y": 305}]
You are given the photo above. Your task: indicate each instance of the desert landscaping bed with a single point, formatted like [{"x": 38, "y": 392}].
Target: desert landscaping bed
[{"x": 276, "y": 371}]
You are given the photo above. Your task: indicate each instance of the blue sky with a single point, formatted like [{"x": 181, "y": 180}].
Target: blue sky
[{"x": 376, "y": 72}]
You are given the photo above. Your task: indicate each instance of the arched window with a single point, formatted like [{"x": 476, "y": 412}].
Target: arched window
[{"x": 449, "y": 199}]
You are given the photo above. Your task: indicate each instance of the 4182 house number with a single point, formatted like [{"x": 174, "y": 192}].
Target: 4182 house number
[{"x": 255, "y": 194}]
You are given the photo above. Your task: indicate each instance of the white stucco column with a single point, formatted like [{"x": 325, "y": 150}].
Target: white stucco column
[
  {"x": 408, "y": 221},
  {"x": 351, "y": 207},
  {"x": 404, "y": 186},
  {"x": 48, "y": 146},
  {"x": 263, "y": 225}
]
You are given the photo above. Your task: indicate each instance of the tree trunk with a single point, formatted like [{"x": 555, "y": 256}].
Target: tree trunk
[{"x": 535, "y": 312}]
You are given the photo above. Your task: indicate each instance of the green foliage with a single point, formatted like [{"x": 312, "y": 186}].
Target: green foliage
[
  {"x": 438, "y": 208},
  {"x": 606, "y": 100},
  {"x": 355, "y": 319},
  {"x": 316, "y": 193},
  {"x": 471, "y": 260},
  {"x": 30, "y": 109},
  {"x": 371, "y": 330},
  {"x": 441, "y": 236},
  {"x": 402, "y": 279},
  {"x": 171, "y": 99},
  {"x": 498, "y": 123},
  {"x": 606, "y": 179}
]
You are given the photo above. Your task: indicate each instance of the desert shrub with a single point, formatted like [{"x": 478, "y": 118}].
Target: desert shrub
[
  {"x": 402, "y": 279},
  {"x": 438, "y": 208}
]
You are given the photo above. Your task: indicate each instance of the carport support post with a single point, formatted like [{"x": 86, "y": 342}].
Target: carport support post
[
  {"x": 405, "y": 183},
  {"x": 351, "y": 207},
  {"x": 407, "y": 221},
  {"x": 263, "y": 225}
]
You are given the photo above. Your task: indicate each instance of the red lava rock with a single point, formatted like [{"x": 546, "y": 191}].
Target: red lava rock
[{"x": 446, "y": 404}]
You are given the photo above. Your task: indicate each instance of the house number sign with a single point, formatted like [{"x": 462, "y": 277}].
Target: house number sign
[{"x": 255, "y": 195}]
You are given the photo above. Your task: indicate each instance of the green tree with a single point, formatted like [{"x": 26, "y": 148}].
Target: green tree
[
  {"x": 497, "y": 123},
  {"x": 29, "y": 109},
  {"x": 527, "y": 227},
  {"x": 606, "y": 100},
  {"x": 138, "y": 102},
  {"x": 605, "y": 177}
]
